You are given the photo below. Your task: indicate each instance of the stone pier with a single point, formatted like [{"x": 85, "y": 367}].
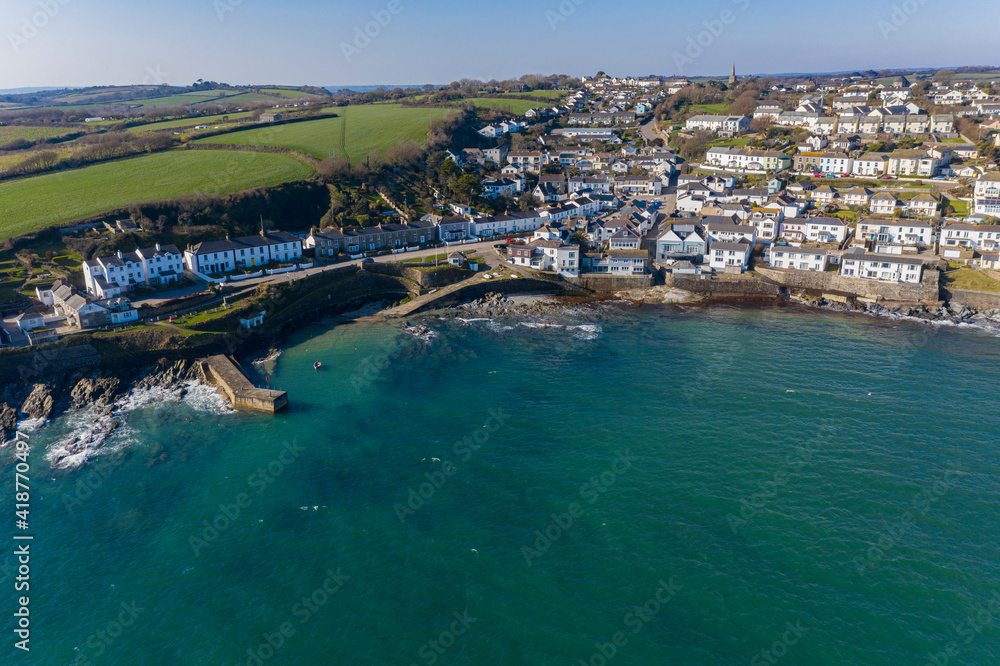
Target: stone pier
[{"x": 227, "y": 374}]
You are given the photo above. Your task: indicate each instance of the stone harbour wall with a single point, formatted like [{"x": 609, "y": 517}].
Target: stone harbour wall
[{"x": 925, "y": 293}]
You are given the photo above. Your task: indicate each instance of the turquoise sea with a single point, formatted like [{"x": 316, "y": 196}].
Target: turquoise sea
[{"x": 609, "y": 485}]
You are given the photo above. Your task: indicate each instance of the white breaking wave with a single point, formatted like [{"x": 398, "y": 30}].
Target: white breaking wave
[
  {"x": 587, "y": 331},
  {"x": 535, "y": 324},
  {"x": 91, "y": 428},
  {"x": 269, "y": 359}
]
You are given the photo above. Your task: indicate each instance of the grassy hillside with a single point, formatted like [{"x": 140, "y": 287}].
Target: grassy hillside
[
  {"x": 513, "y": 105},
  {"x": 358, "y": 131},
  {"x": 10, "y": 133},
  {"x": 188, "y": 122},
  {"x": 33, "y": 203},
  {"x": 548, "y": 94}
]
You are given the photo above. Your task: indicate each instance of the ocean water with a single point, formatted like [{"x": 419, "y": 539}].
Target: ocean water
[{"x": 606, "y": 485}]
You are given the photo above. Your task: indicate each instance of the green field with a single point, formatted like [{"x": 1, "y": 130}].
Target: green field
[
  {"x": 290, "y": 93},
  {"x": 37, "y": 202},
  {"x": 708, "y": 109},
  {"x": 548, "y": 94},
  {"x": 193, "y": 121},
  {"x": 516, "y": 106},
  {"x": 242, "y": 98},
  {"x": 10, "y": 133},
  {"x": 358, "y": 131}
]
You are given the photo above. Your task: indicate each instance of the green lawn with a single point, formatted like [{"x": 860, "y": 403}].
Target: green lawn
[
  {"x": 358, "y": 131},
  {"x": 443, "y": 258},
  {"x": 9, "y": 133},
  {"x": 37, "y": 202},
  {"x": 735, "y": 142},
  {"x": 961, "y": 207},
  {"x": 708, "y": 109},
  {"x": 969, "y": 278}
]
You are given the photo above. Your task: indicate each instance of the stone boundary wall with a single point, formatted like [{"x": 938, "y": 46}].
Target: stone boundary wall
[
  {"x": 724, "y": 285},
  {"x": 480, "y": 289},
  {"x": 976, "y": 300},
  {"x": 924, "y": 293},
  {"x": 611, "y": 283},
  {"x": 443, "y": 276}
]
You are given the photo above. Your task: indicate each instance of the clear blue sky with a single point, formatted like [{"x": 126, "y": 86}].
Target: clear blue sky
[{"x": 91, "y": 42}]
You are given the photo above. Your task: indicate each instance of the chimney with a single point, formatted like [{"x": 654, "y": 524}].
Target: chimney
[
  {"x": 157, "y": 247},
  {"x": 120, "y": 254}
]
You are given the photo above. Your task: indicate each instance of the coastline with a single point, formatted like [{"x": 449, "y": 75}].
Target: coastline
[{"x": 110, "y": 391}]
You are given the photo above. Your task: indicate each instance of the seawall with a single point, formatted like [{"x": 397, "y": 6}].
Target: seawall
[{"x": 226, "y": 373}]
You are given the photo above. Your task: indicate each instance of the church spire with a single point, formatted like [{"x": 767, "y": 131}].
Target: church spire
[{"x": 732, "y": 77}]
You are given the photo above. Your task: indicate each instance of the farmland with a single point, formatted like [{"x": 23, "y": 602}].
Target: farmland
[
  {"x": 9, "y": 133},
  {"x": 55, "y": 198},
  {"x": 358, "y": 131},
  {"x": 289, "y": 93},
  {"x": 548, "y": 94},
  {"x": 188, "y": 122},
  {"x": 516, "y": 106}
]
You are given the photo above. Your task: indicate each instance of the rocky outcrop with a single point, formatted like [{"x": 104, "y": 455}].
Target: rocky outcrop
[
  {"x": 170, "y": 374},
  {"x": 100, "y": 391},
  {"x": 8, "y": 421},
  {"x": 40, "y": 403}
]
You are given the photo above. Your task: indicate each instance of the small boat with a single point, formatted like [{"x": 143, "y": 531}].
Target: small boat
[{"x": 317, "y": 365}]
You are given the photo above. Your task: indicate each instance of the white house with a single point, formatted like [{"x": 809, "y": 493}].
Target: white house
[
  {"x": 987, "y": 195},
  {"x": 884, "y": 233},
  {"x": 826, "y": 229},
  {"x": 884, "y": 203},
  {"x": 721, "y": 124},
  {"x": 974, "y": 236},
  {"x": 799, "y": 258},
  {"x": 642, "y": 185},
  {"x": 884, "y": 267},
  {"x": 725, "y": 230},
  {"x": 730, "y": 257}
]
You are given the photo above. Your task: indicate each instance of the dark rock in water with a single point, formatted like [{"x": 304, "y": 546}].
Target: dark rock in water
[
  {"x": 8, "y": 421},
  {"x": 40, "y": 403}
]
